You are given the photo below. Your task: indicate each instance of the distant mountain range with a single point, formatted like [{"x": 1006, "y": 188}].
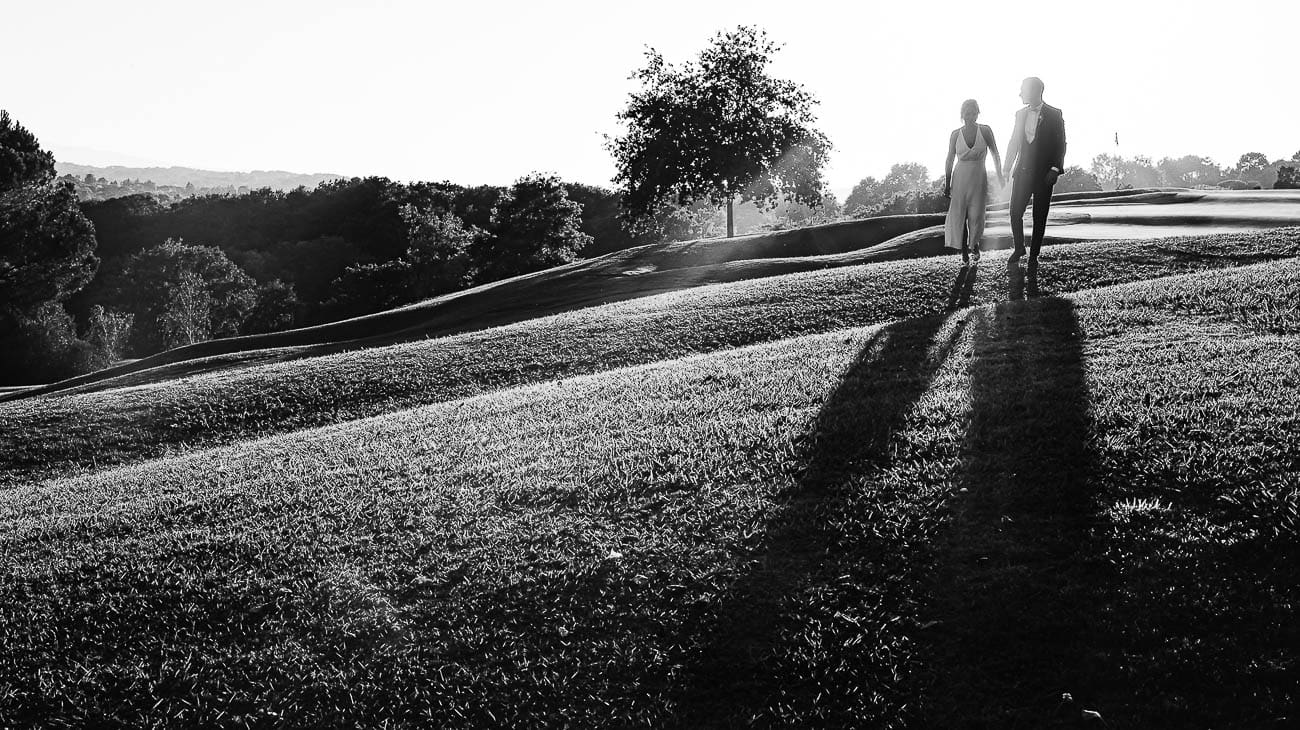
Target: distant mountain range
[{"x": 180, "y": 176}]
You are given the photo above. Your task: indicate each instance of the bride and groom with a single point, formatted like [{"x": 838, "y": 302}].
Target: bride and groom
[{"x": 1035, "y": 159}]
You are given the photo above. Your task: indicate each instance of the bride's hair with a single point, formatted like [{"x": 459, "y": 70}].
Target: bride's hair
[{"x": 971, "y": 105}]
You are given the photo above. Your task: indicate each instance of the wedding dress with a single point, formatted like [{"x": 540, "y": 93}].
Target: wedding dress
[{"x": 970, "y": 185}]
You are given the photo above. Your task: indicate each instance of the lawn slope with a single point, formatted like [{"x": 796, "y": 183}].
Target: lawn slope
[
  {"x": 147, "y": 414},
  {"x": 945, "y": 521}
]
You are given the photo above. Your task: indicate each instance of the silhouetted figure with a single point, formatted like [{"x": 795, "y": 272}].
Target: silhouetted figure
[
  {"x": 967, "y": 186},
  {"x": 1035, "y": 159}
]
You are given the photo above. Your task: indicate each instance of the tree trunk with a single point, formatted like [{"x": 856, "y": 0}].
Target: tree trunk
[{"x": 731, "y": 226}]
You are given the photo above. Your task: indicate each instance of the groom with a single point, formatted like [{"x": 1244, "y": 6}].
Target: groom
[{"x": 1037, "y": 157}]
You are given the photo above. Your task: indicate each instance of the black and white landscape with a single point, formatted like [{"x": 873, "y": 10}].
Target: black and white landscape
[{"x": 708, "y": 424}]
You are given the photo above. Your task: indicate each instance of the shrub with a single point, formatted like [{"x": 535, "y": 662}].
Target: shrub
[
  {"x": 1288, "y": 178},
  {"x": 1238, "y": 185},
  {"x": 1075, "y": 179},
  {"x": 42, "y": 347}
]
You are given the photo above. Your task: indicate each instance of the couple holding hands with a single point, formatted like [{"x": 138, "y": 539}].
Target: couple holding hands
[{"x": 1035, "y": 159}]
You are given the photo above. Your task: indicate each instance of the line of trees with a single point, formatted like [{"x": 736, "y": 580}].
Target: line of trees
[
  {"x": 1252, "y": 170},
  {"x": 909, "y": 189},
  {"x": 265, "y": 261},
  {"x": 86, "y": 283}
]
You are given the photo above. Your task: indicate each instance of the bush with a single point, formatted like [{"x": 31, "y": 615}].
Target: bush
[
  {"x": 1238, "y": 185},
  {"x": 1288, "y": 178},
  {"x": 1075, "y": 179},
  {"x": 42, "y": 347}
]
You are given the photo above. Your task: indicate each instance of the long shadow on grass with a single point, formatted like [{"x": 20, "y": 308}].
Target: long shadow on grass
[
  {"x": 786, "y": 645},
  {"x": 962, "y": 288},
  {"x": 1014, "y": 586}
]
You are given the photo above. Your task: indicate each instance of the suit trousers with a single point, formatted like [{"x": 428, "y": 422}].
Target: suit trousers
[{"x": 1025, "y": 185}]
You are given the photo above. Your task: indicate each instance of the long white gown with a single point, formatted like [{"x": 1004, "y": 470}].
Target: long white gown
[{"x": 969, "y": 188}]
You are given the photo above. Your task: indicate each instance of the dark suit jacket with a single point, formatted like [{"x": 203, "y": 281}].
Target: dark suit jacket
[{"x": 1048, "y": 149}]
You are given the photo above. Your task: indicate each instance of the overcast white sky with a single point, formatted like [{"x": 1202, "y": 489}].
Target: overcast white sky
[{"x": 482, "y": 91}]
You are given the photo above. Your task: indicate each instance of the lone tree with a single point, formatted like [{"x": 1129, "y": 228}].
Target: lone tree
[
  {"x": 1251, "y": 166},
  {"x": 718, "y": 128}
]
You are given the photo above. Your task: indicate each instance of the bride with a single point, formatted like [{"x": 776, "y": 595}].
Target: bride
[{"x": 968, "y": 185}]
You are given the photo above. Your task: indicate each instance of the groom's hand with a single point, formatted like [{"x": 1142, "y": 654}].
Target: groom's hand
[{"x": 1052, "y": 176}]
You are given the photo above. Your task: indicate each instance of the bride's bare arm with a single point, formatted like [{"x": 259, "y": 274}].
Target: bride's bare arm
[
  {"x": 993, "y": 147},
  {"x": 1013, "y": 147},
  {"x": 947, "y": 166}
]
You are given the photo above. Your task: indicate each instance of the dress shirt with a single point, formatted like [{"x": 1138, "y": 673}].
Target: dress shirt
[{"x": 1031, "y": 122}]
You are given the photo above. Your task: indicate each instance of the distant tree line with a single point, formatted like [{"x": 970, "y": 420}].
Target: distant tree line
[
  {"x": 268, "y": 260},
  {"x": 86, "y": 283},
  {"x": 1253, "y": 170},
  {"x": 90, "y": 187},
  {"x": 909, "y": 189}
]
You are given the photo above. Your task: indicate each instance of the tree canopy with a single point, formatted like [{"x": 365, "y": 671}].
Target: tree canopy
[
  {"x": 718, "y": 128},
  {"x": 181, "y": 294},
  {"x": 22, "y": 161},
  {"x": 534, "y": 226},
  {"x": 1251, "y": 166},
  {"x": 46, "y": 247}
]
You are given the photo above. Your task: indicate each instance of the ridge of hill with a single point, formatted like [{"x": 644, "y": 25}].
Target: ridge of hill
[
  {"x": 950, "y": 519},
  {"x": 180, "y": 176}
]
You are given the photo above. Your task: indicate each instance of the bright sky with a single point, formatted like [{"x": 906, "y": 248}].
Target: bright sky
[{"x": 484, "y": 91}]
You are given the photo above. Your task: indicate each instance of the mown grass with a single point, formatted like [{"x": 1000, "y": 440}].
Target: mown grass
[
  {"x": 944, "y": 522},
  {"x": 156, "y": 413}
]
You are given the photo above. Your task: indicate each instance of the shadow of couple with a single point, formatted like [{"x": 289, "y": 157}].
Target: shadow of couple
[
  {"x": 911, "y": 575},
  {"x": 1021, "y": 284}
]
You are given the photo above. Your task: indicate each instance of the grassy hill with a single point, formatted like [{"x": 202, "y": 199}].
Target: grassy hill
[
  {"x": 226, "y": 398},
  {"x": 894, "y": 495}
]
